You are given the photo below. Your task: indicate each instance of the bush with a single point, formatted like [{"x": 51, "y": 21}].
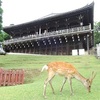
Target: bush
[{"x": 4, "y": 36}]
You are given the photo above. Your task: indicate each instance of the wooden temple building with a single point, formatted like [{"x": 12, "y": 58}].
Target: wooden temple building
[{"x": 55, "y": 34}]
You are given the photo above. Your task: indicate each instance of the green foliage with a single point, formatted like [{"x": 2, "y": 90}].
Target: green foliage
[
  {"x": 97, "y": 32},
  {"x": 4, "y": 36},
  {"x": 1, "y": 11},
  {"x": 1, "y": 38}
]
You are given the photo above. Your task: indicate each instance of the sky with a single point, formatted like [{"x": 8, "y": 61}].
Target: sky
[{"x": 21, "y": 11}]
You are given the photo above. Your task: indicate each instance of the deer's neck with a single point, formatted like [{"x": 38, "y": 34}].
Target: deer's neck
[{"x": 79, "y": 77}]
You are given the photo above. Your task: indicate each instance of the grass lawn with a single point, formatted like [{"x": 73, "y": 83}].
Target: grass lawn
[{"x": 34, "y": 80}]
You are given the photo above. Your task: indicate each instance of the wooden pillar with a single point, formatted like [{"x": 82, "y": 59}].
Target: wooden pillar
[
  {"x": 51, "y": 50},
  {"x": 46, "y": 50},
  {"x": 56, "y": 50},
  {"x": 61, "y": 49},
  {"x": 88, "y": 43},
  {"x": 40, "y": 31},
  {"x": 66, "y": 48}
]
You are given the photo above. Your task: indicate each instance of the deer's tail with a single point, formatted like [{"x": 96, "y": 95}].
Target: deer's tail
[{"x": 45, "y": 67}]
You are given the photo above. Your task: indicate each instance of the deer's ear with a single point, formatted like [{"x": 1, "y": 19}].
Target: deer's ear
[{"x": 93, "y": 76}]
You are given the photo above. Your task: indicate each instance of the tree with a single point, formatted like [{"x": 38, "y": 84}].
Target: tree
[
  {"x": 1, "y": 11},
  {"x": 3, "y": 35},
  {"x": 97, "y": 32}
]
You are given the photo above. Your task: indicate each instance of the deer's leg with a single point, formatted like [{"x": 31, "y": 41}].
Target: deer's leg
[
  {"x": 50, "y": 76},
  {"x": 51, "y": 85},
  {"x": 70, "y": 83},
  {"x": 63, "y": 84}
]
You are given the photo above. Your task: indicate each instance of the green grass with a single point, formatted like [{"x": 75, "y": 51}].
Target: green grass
[{"x": 33, "y": 91}]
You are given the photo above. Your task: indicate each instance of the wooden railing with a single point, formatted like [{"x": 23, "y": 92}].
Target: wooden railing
[
  {"x": 75, "y": 30},
  {"x": 11, "y": 77}
]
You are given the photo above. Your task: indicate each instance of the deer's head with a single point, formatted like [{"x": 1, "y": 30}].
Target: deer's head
[{"x": 89, "y": 81}]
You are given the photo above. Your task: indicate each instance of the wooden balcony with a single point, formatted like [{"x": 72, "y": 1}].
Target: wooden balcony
[{"x": 65, "y": 32}]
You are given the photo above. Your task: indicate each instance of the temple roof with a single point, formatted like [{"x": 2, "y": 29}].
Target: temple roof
[{"x": 53, "y": 16}]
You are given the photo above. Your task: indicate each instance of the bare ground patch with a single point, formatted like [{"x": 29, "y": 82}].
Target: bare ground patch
[{"x": 30, "y": 75}]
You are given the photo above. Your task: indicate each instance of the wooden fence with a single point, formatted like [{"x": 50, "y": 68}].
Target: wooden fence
[{"x": 11, "y": 77}]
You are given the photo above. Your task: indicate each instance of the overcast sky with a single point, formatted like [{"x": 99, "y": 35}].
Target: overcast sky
[{"x": 21, "y": 11}]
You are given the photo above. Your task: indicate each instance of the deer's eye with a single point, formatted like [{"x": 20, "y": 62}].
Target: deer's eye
[{"x": 89, "y": 86}]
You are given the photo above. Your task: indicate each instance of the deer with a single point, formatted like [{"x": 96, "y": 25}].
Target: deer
[{"x": 68, "y": 71}]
